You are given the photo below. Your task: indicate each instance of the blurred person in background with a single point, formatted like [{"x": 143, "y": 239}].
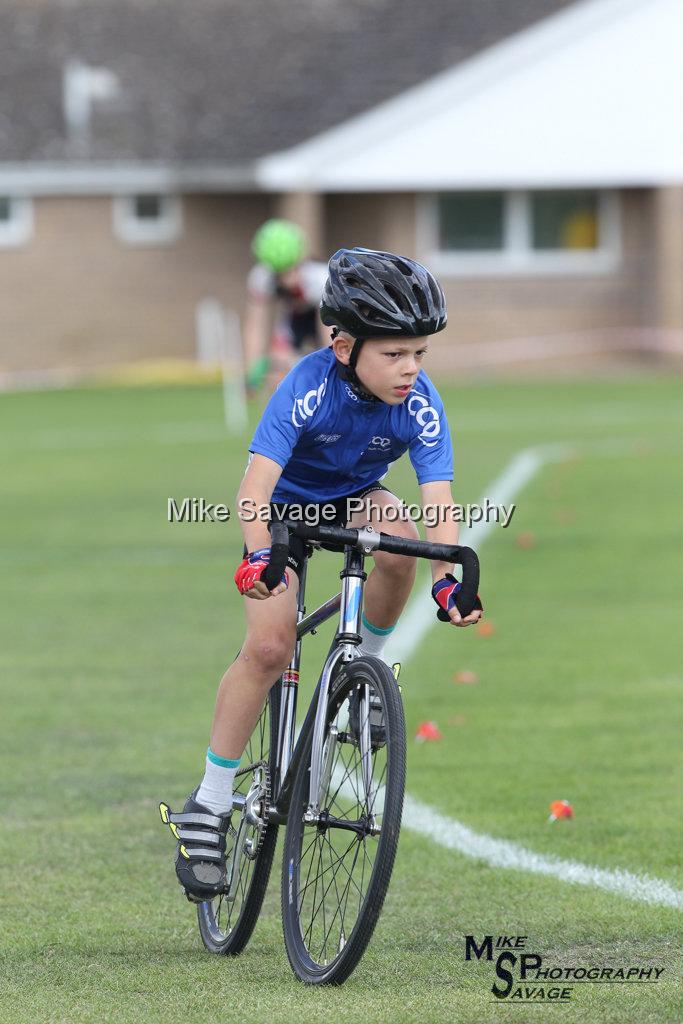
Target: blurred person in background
[{"x": 281, "y": 321}]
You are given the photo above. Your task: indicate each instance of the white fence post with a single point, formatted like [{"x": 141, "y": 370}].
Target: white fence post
[{"x": 219, "y": 343}]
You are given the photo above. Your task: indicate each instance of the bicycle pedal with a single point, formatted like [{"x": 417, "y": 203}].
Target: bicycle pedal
[
  {"x": 396, "y": 669},
  {"x": 192, "y": 899}
]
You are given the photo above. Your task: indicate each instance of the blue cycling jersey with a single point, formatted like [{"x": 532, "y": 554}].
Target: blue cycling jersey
[{"x": 331, "y": 443}]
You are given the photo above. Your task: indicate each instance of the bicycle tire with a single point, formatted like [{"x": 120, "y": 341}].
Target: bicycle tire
[
  {"x": 299, "y": 939},
  {"x": 219, "y": 932}
]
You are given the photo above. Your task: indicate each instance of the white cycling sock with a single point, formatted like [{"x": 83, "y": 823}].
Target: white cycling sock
[
  {"x": 374, "y": 638},
  {"x": 215, "y": 791}
]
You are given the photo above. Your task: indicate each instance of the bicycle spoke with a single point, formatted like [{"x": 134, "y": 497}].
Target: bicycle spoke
[
  {"x": 325, "y": 870},
  {"x": 344, "y": 867},
  {"x": 362, "y": 879},
  {"x": 321, "y": 905},
  {"x": 310, "y": 868},
  {"x": 347, "y": 776},
  {"x": 315, "y": 891},
  {"x": 336, "y": 888},
  {"x": 344, "y": 897},
  {"x": 331, "y": 871}
]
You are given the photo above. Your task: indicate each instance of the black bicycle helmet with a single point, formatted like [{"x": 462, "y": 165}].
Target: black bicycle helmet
[{"x": 374, "y": 294}]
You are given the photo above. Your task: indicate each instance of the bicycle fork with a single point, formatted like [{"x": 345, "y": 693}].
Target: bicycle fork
[{"x": 345, "y": 649}]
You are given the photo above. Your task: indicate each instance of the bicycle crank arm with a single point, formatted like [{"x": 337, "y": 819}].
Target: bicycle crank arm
[{"x": 232, "y": 875}]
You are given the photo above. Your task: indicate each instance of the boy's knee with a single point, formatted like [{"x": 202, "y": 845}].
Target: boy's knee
[
  {"x": 399, "y": 565},
  {"x": 270, "y": 654}
]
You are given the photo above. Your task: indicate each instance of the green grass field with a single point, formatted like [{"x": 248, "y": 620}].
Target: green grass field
[{"x": 117, "y": 625}]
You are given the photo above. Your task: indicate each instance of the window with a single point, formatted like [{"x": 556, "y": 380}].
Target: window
[
  {"x": 564, "y": 220},
  {"x": 147, "y": 219},
  {"x": 573, "y": 230},
  {"x": 149, "y": 208},
  {"x": 471, "y": 222},
  {"x": 16, "y": 221}
]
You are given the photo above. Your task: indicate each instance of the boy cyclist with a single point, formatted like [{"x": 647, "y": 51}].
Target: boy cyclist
[{"x": 328, "y": 434}]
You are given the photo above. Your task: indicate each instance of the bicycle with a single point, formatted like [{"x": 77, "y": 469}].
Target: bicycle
[{"x": 338, "y": 789}]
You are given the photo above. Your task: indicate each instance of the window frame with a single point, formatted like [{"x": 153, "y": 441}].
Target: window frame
[
  {"x": 137, "y": 231},
  {"x": 18, "y": 230},
  {"x": 518, "y": 257}
]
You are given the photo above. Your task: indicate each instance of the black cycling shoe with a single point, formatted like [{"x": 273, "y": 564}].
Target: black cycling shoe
[{"x": 200, "y": 857}]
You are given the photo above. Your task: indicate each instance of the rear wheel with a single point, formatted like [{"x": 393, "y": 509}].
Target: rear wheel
[
  {"x": 226, "y": 926},
  {"x": 336, "y": 869}
]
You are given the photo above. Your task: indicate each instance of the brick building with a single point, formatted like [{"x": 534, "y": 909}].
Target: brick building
[{"x": 527, "y": 151}]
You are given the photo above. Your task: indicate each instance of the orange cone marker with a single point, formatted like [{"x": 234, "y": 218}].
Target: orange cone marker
[
  {"x": 428, "y": 731},
  {"x": 560, "y": 809},
  {"x": 465, "y": 677}
]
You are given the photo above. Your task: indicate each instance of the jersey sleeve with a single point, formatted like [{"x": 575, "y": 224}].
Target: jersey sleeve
[
  {"x": 289, "y": 413},
  {"x": 431, "y": 450}
]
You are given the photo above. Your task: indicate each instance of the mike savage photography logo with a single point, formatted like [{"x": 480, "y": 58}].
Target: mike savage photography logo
[
  {"x": 526, "y": 976},
  {"x": 200, "y": 510},
  {"x": 197, "y": 510}
]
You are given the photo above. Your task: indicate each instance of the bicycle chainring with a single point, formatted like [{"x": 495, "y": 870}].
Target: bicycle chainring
[{"x": 264, "y": 801}]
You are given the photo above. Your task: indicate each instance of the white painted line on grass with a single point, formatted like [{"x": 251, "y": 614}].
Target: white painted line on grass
[
  {"x": 501, "y": 853},
  {"x": 452, "y": 834}
]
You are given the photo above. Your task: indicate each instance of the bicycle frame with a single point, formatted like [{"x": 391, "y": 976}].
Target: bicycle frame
[
  {"x": 356, "y": 544},
  {"x": 343, "y": 649}
]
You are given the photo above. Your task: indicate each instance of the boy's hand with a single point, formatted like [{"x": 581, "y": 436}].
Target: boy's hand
[
  {"x": 444, "y": 593},
  {"x": 248, "y": 576}
]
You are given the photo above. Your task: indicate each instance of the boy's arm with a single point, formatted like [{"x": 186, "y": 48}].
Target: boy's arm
[
  {"x": 253, "y": 496},
  {"x": 445, "y": 530},
  {"x": 253, "y": 499}
]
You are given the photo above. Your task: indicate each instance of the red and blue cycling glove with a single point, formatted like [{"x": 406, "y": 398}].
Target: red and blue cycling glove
[
  {"x": 251, "y": 569},
  {"x": 445, "y": 592}
]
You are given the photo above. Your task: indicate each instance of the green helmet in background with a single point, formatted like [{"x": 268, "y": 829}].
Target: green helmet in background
[{"x": 279, "y": 244}]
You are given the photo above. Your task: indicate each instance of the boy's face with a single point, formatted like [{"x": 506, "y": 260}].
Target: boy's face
[{"x": 386, "y": 367}]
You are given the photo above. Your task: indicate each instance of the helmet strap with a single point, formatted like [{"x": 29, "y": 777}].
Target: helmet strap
[{"x": 348, "y": 371}]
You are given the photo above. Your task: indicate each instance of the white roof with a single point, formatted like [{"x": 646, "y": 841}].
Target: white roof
[{"x": 590, "y": 96}]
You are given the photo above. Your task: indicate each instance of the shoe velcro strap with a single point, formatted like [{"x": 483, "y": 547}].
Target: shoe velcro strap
[
  {"x": 189, "y": 836},
  {"x": 201, "y": 853},
  {"x": 196, "y": 818}
]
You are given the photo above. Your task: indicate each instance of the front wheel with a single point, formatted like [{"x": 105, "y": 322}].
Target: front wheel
[{"x": 336, "y": 868}]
